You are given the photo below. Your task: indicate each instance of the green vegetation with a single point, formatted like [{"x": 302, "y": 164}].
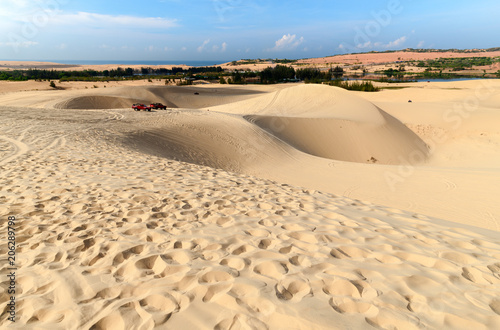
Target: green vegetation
[
  {"x": 456, "y": 64},
  {"x": 52, "y": 84},
  {"x": 452, "y": 50},
  {"x": 393, "y": 87},
  {"x": 107, "y": 75},
  {"x": 310, "y": 74},
  {"x": 284, "y": 61},
  {"x": 363, "y": 86},
  {"x": 237, "y": 78},
  {"x": 337, "y": 72},
  {"x": 278, "y": 73},
  {"x": 260, "y": 61}
]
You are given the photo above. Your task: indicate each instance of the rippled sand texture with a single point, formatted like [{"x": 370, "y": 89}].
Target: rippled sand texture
[{"x": 209, "y": 217}]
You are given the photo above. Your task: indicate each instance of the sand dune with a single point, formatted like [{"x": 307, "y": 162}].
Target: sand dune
[
  {"x": 259, "y": 227},
  {"x": 172, "y": 97},
  {"x": 393, "y": 57},
  {"x": 331, "y": 123},
  {"x": 289, "y": 153}
]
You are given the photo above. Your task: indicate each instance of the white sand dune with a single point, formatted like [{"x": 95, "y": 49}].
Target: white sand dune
[
  {"x": 172, "y": 97},
  {"x": 331, "y": 123},
  {"x": 237, "y": 209}
]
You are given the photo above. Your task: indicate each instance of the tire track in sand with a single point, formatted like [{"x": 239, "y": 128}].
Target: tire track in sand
[{"x": 20, "y": 148}]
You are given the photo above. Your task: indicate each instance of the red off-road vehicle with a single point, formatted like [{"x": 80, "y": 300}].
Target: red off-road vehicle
[
  {"x": 158, "y": 106},
  {"x": 140, "y": 106}
]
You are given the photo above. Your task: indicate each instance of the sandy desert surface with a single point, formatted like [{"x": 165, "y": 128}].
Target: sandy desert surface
[
  {"x": 252, "y": 207},
  {"x": 392, "y": 57}
]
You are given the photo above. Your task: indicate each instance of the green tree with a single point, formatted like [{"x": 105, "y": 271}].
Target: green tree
[
  {"x": 309, "y": 74},
  {"x": 237, "y": 79},
  {"x": 337, "y": 72},
  {"x": 266, "y": 75},
  {"x": 278, "y": 73}
]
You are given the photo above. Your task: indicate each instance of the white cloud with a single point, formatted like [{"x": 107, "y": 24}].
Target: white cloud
[
  {"x": 110, "y": 21},
  {"x": 365, "y": 45},
  {"x": 19, "y": 44},
  {"x": 287, "y": 42},
  {"x": 20, "y": 10},
  {"x": 202, "y": 47},
  {"x": 398, "y": 42},
  {"x": 374, "y": 45},
  {"x": 421, "y": 44},
  {"x": 215, "y": 48}
]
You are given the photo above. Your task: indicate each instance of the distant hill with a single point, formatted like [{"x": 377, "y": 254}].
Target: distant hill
[
  {"x": 432, "y": 50},
  {"x": 408, "y": 54}
]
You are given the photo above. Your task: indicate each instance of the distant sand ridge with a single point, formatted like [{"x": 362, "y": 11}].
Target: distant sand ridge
[{"x": 284, "y": 206}]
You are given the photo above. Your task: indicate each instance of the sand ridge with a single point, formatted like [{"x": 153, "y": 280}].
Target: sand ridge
[
  {"x": 116, "y": 230},
  {"x": 156, "y": 243},
  {"x": 393, "y": 57}
]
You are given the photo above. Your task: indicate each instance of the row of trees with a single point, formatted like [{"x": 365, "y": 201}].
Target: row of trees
[
  {"x": 284, "y": 73},
  {"x": 457, "y": 63},
  {"x": 268, "y": 76},
  {"x": 38, "y": 74},
  {"x": 278, "y": 73},
  {"x": 316, "y": 75}
]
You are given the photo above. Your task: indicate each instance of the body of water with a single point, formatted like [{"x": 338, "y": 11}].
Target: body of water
[
  {"x": 429, "y": 79},
  {"x": 453, "y": 79},
  {"x": 125, "y": 63},
  {"x": 145, "y": 63}
]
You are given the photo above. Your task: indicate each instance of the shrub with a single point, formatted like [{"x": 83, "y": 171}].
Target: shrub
[
  {"x": 52, "y": 84},
  {"x": 364, "y": 86}
]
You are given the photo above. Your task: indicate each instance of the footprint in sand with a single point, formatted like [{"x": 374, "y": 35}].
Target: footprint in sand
[
  {"x": 218, "y": 282},
  {"x": 352, "y": 252},
  {"x": 272, "y": 269},
  {"x": 458, "y": 257},
  {"x": 124, "y": 255},
  {"x": 243, "y": 249},
  {"x": 475, "y": 275},
  {"x": 389, "y": 319},
  {"x": 161, "y": 307},
  {"x": 240, "y": 321},
  {"x": 495, "y": 269},
  {"x": 345, "y": 305},
  {"x": 340, "y": 287},
  {"x": 257, "y": 305},
  {"x": 495, "y": 306},
  {"x": 153, "y": 264},
  {"x": 292, "y": 290},
  {"x": 235, "y": 263}
]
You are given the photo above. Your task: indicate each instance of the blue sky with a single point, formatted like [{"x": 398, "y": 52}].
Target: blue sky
[{"x": 234, "y": 29}]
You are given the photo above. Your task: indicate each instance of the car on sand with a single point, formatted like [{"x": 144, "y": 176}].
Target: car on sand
[
  {"x": 140, "y": 106},
  {"x": 158, "y": 106}
]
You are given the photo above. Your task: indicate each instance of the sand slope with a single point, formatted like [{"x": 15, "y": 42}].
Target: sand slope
[
  {"x": 292, "y": 131},
  {"x": 330, "y": 123},
  {"x": 136, "y": 241},
  {"x": 114, "y": 232}
]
